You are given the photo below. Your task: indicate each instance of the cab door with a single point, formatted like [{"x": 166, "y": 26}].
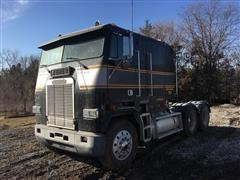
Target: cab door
[
  {"x": 145, "y": 73},
  {"x": 120, "y": 78}
]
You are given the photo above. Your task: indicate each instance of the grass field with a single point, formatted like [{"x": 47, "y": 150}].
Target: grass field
[{"x": 10, "y": 123}]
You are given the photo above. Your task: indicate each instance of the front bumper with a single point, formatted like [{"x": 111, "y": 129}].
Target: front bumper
[{"x": 80, "y": 142}]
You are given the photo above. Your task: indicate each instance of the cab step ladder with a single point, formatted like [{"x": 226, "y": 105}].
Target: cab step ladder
[{"x": 147, "y": 126}]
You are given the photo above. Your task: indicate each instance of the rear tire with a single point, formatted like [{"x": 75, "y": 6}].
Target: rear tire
[
  {"x": 189, "y": 119},
  {"x": 121, "y": 145},
  {"x": 204, "y": 117}
]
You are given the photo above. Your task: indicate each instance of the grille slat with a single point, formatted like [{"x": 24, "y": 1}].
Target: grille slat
[{"x": 60, "y": 105}]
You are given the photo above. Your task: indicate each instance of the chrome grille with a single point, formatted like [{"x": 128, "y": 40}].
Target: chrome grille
[{"x": 60, "y": 105}]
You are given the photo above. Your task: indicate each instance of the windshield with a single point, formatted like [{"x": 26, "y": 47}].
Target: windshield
[
  {"x": 51, "y": 56},
  {"x": 82, "y": 50}
]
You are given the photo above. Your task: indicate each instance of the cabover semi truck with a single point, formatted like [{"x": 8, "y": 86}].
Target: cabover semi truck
[{"x": 104, "y": 91}]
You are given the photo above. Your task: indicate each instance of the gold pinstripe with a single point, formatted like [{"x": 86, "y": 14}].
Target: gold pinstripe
[
  {"x": 132, "y": 70},
  {"x": 124, "y": 86}
]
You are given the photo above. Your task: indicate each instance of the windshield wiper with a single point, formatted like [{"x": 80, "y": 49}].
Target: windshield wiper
[
  {"x": 79, "y": 61},
  {"x": 43, "y": 65}
]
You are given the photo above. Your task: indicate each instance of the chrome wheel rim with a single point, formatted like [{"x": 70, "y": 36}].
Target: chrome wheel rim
[{"x": 122, "y": 145}]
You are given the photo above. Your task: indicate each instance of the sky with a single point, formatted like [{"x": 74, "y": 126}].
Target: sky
[{"x": 25, "y": 24}]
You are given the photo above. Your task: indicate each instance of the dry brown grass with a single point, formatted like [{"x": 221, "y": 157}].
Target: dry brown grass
[
  {"x": 225, "y": 115},
  {"x": 10, "y": 123}
]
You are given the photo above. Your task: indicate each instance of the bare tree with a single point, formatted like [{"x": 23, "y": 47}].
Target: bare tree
[
  {"x": 148, "y": 29},
  {"x": 17, "y": 82},
  {"x": 211, "y": 29},
  {"x": 30, "y": 76},
  {"x": 235, "y": 58},
  {"x": 9, "y": 58},
  {"x": 163, "y": 31}
]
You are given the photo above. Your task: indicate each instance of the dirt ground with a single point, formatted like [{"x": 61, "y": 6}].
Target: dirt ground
[{"x": 213, "y": 154}]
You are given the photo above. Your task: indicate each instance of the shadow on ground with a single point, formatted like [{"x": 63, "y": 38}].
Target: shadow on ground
[{"x": 213, "y": 154}]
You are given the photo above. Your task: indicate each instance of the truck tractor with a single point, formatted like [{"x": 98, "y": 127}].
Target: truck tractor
[{"x": 104, "y": 91}]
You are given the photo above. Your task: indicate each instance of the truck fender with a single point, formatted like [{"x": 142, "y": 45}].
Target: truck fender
[
  {"x": 180, "y": 107},
  {"x": 132, "y": 116},
  {"x": 190, "y": 117},
  {"x": 200, "y": 104}
]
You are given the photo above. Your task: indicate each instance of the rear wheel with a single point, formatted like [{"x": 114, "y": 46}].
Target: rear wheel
[
  {"x": 189, "y": 119},
  {"x": 204, "y": 117},
  {"x": 121, "y": 145}
]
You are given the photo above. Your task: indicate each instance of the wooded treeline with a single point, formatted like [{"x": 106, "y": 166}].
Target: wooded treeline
[
  {"x": 17, "y": 83},
  {"x": 206, "y": 40}
]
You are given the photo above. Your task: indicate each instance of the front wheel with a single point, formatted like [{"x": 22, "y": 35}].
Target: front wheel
[{"x": 120, "y": 146}]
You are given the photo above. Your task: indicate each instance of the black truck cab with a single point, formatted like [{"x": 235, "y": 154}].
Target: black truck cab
[{"x": 103, "y": 90}]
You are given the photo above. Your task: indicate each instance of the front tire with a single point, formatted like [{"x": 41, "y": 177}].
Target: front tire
[{"x": 120, "y": 146}]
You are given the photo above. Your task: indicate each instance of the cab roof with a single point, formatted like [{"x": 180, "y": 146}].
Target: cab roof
[
  {"x": 92, "y": 29},
  {"x": 76, "y": 33}
]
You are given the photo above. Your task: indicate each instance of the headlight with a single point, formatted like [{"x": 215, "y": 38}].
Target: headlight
[{"x": 91, "y": 113}]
